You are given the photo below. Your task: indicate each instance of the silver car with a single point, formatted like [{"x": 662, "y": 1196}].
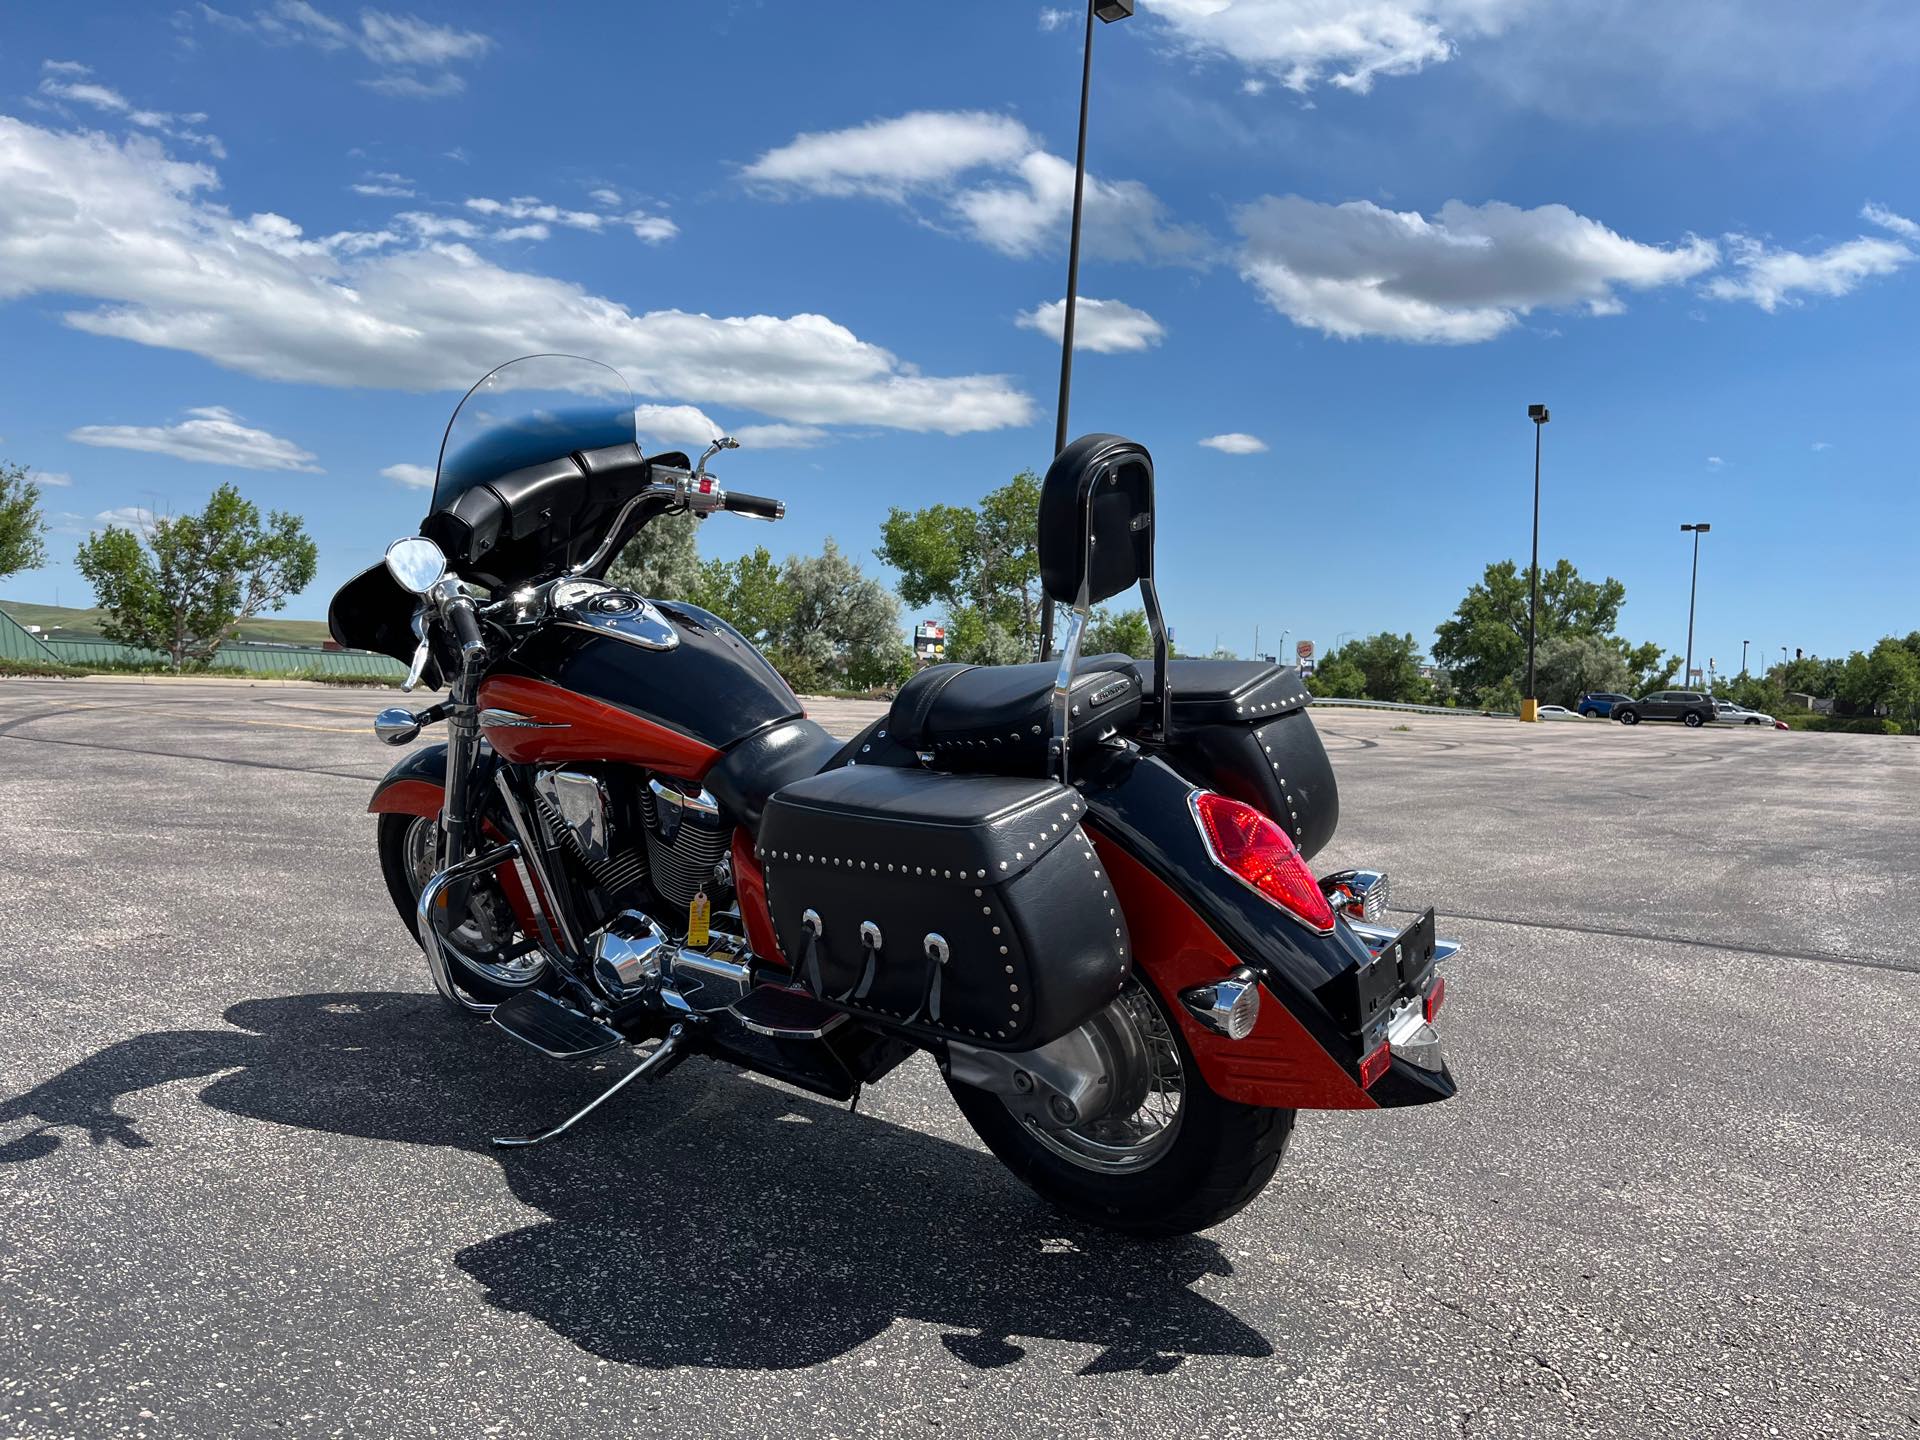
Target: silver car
[{"x": 1727, "y": 713}]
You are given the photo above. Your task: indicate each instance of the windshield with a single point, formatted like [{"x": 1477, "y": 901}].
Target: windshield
[{"x": 529, "y": 410}]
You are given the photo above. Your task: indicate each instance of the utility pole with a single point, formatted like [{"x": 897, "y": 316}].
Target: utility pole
[{"x": 1530, "y": 706}]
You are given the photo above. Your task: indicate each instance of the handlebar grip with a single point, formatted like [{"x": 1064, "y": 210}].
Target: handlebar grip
[
  {"x": 465, "y": 625},
  {"x": 758, "y": 507}
]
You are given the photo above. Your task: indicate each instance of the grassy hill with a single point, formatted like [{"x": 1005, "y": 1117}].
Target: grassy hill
[{"x": 76, "y": 622}]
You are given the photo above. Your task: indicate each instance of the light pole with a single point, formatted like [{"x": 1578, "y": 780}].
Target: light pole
[
  {"x": 1530, "y": 707},
  {"x": 1106, "y": 11},
  {"x": 1693, "y": 591},
  {"x": 1743, "y": 658}
]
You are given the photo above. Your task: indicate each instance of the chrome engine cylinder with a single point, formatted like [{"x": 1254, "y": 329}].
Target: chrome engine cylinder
[{"x": 686, "y": 839}]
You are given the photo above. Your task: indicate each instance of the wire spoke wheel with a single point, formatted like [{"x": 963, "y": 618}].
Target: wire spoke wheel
[
  {"x": 1151, "y": 1085},
  {"x": 487, "y": 940}
]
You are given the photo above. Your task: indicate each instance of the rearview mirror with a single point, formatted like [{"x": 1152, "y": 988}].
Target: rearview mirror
[
  {"x": 1096, "y": 520},
  {"x": 415, "y": 564}
]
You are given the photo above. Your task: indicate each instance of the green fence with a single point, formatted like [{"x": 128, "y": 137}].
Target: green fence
[
  {"x": 261, "y": 659},
  {"x": 19, "y": 643}
]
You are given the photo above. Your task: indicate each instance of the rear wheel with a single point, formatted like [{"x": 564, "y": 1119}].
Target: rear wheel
[
  {"x": 1180, "y": 1159},
  {"x": 493, "y": 962},
  {"x": 1694, "y": 720}
]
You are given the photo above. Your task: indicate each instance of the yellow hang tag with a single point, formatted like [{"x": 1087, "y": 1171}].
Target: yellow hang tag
[{"x": 698, "y": 913}]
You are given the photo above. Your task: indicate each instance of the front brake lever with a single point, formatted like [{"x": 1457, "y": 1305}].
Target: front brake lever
[{"x": 421, "y": 655}]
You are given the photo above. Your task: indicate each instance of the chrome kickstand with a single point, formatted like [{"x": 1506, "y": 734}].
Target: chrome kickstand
[{"x": 665, "y": 1056}]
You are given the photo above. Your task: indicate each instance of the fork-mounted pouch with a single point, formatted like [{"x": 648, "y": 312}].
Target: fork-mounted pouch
[{"x": 951, "y": 906}]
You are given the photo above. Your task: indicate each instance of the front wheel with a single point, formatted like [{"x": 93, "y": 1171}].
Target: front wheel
[
  {"x": 493, "y": 960},
  {"x": 1629, "y": 717},
  {"x": 1181, "y": 1159}
]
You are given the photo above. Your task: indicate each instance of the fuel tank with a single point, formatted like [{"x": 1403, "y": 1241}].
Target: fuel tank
[{"x": 569, "y": 693}]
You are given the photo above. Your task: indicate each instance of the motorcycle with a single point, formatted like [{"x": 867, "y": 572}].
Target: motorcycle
[{"x": 1081, "y": 887}]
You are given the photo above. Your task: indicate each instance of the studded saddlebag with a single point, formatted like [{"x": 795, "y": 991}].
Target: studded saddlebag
[{"x": 954, "y": 906}]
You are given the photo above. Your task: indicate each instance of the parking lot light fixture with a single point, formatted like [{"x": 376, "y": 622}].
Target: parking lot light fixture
[
  {"x": 1530, "y": 706},
  {"x": 1106, "y": 11},
  {"x": 1693, "y": 590}
]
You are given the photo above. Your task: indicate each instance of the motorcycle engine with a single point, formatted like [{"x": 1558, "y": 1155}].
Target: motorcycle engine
[{"x": 687, "y": 837}]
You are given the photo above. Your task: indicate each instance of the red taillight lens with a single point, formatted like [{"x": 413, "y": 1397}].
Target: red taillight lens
[
  {"x": 1248, "y": 845},
  {"x": 1434, "y": 996},
  {"x": 1374, "y": 1066}
]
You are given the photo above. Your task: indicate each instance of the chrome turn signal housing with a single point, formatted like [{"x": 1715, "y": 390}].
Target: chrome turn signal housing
[
  {"x": 1229, "y": 1006},
  {"x": 396, "y": 725},
  {"x": 1357, "y": 894}
]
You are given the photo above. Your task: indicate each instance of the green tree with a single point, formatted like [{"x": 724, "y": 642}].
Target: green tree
[
  {"x": 662, "y": 562},
  {"x": 1339, "y": 678},
  {"x": 1884, "y": 678},
  {"x": 1125, "y": 633},
  {"x": 1568, "y": 666},
  {"x": 843, "y": 627},
  {"x": 978, "y": 562},
  {"x": 1484, "y": 645},
  {"x": 1390, "y": 667},
  {"x": 21, "y": 524},
  {"x": 197, "y": 576},
  {"x": 750, "y": 593}
]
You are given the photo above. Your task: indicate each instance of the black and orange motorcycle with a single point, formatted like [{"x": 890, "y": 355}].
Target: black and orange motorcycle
[{"x": 1081, "y": 887}]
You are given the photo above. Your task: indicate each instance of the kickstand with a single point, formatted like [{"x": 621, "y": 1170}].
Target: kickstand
[
  {"x": 854, "y": 1104},
  {"x": 665, "y": 1056}
]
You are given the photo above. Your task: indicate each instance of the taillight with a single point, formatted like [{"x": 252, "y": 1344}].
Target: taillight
[{"x": 1257, "y": 852}]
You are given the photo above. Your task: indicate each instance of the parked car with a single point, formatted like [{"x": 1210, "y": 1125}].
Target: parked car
[
  {"x": 1728, "y": 713},
  {"x": 1556, "y": 712},
  {"x": 1689, "y": 707},
  {"x": 1600, "y": 702}
]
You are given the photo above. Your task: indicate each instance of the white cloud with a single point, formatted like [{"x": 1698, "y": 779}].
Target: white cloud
[
  {"x": 531, "y": 207},
  {"x": 126, "y": 230},
  {"x": 1464, "y": 276},
  {"x": 1714, "y": 462},
  {"x": 1024, "y": 210},
  {"x": 1052, "y": 18},
  {"x": 654, "y": 229},
  {"x": 689, "y": 427},
  {"x": 400, "y": 46},
  {"x": 437, "y": 227},
  {"x": 1106, "y": 326},
  {"x": 1880, "y": 215},
  {"x": 1771, "y": 278},
  {"x": 127, "y": 517},
  {"x": 1347, "y": 43},
  {"x": 103, "y": 97},
  {"x": 523, "y": 232},
  {"x": 391, "y": 192},
  {"x": 604, "y": 196},
  {"x": 414, "y": 477},
  {"x": 212, "y": 435},
  {"x": 890, "y": 157},
  {"x": 1236, "y": 442},
  {"x": 57, "y": 478},
  {"x": 1124, "y": 220},
  {"x": 1823, "y": 445}
]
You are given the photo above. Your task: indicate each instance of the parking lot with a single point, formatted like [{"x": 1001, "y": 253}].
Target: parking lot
[{"x": 245, "y": 1186}]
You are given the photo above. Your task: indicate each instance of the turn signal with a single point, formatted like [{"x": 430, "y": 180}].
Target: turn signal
[{"x": 1255, "y": 851}]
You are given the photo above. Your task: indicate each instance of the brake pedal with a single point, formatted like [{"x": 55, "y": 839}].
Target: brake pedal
[{"x": 535, "y": 1018}]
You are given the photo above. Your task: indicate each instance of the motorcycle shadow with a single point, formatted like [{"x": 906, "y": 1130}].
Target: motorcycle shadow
[{"x": 709, "y": 1220}]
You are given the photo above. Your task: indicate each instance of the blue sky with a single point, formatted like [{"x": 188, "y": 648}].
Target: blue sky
[{"x": 266, "y": 243}]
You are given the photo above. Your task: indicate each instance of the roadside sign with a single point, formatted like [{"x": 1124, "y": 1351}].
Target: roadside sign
[{"x": 1303, "y": 651}]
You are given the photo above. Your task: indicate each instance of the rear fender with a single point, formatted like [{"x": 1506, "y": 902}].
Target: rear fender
[{"x": 1192, "y": 923}]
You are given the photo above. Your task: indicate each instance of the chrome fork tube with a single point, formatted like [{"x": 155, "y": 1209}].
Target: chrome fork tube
[{"x": 550, "y": 900}]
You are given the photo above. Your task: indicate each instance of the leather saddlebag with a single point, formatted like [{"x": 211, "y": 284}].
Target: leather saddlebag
[{"x": 953, "y": 906}]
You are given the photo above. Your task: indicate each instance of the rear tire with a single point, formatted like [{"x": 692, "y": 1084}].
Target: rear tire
[
  {"x": 1629, "y": 717},
  {"x": 1694, "y": 722},
  {"x": 1220, "y": 1155},
  {"x": 401, "y": 866}
]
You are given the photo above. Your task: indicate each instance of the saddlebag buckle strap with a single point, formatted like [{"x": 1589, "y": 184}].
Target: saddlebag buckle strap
[
  {"x": 810, "y": 955},
  {"x": 938, "y": 952},
  {"x": 871, "y": 943}
]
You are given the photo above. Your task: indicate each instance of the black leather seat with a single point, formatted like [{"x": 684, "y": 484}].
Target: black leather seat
[
  {"x": 743, "y": 778},
  {"x": 998, "y": 718}
]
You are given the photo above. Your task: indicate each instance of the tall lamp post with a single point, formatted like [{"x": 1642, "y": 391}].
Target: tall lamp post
[
  {"x": 1530, "y": 707},
  {"x": 1743, "y": 657},
  {"x": 1693, "y": 591},
  {"x": 1106, "y": 11}
]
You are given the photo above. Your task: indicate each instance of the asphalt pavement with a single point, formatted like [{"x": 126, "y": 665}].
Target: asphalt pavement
[{"x": 245, "y": 1186}]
